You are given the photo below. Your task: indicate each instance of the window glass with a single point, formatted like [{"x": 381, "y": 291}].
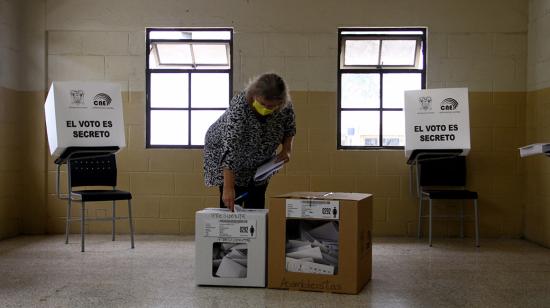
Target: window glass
[
  {"x": 360, "y": 91},
  {"x": 395, "y": 86},
  {"x": 359, "y": 127},
  {"x": 169, "y": 127},
  {"x": 210, "y": 90},
  {"x": 361, "y": 52},
  {"x": 169, "y": 90}
]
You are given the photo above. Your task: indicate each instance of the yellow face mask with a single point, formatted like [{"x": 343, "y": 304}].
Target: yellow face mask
[{"x": 261, "y": 109}]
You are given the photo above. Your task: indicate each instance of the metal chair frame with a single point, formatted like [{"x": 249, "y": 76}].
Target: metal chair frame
[
  {"x": 74, "y": 196},
  {"x": 425, "y": 195}
]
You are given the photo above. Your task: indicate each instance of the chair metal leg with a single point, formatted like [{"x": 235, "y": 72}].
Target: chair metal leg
[
  {"x": 68, "y": 222},
  {"x": 476, "y": 222},
  {"x": 430, "y": 223},
  {"x": 462, "y": 219},
  {"x": 419, "y": 231},
  {"x": 131, "y": 222},
  {"x": 82, "y": 220},
  {"x": 114, "y": 220}
]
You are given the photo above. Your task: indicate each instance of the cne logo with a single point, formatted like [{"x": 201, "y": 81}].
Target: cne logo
[
  {"x": 425, "y": 103},
  {"x": 449, "y": 104},
  {"x": 77, "y": 97},
  {"x": 102, "y": 100}
]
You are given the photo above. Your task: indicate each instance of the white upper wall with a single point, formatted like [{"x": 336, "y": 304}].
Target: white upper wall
[
  {"x": 478, "y": 44},
  {"x": 22, "y": 44},
  {"x": 538, "y": 67}
]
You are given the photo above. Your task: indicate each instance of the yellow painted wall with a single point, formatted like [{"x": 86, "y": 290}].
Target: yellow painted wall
[
  {"x": 537, "y": 179},
  {"x": 22, "y": 151},
  {"x": 537, "y": 168},
  {"x": 10, "y": 164},
  {"x": 168, "y": 184}
]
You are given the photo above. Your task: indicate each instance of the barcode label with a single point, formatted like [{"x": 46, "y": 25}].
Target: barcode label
[{"x": 317, "y": 209}]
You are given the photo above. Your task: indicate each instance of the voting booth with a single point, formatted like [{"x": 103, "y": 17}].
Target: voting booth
[
  {"x": 437, "y": 119},
  {"x": 84, "y": 114},
  {"x": 320, "y": 241},
  {"x": 230, "y": 247}
]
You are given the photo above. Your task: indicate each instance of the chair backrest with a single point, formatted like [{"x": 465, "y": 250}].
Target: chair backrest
[
  {"x": 448, "y": 171},
  {"x": 98, "y": 171}
]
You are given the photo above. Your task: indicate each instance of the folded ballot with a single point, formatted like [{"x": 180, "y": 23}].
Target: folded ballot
[
  {"x": 268, "y": 169},
  {"x": 315, "y": 250},
  {"x": 229, "y": 260}
]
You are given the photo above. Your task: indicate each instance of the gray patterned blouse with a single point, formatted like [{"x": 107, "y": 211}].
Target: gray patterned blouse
[{"x": 241, "y": 140}]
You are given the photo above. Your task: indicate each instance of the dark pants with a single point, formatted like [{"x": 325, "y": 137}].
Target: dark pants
[{"x": 254, "y": 200}]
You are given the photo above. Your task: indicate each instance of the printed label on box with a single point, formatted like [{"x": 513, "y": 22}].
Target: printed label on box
[
  {"x": 317, "y": 209},
  {"x": 230, "y": 228},
  {"x": 293, "y": 265}
]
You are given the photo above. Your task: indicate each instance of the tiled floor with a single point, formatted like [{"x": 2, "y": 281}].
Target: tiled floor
[{"x": 42, "y": 271}]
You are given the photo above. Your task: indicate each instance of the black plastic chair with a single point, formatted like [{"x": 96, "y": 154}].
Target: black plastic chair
[
  {"x": 95, "y": 171},
  {"x": 445, "y": 178}
]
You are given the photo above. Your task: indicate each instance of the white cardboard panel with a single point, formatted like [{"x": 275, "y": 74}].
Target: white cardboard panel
[
  {"x": 214, "y": 225},
  {"x": 84, "y": 114},
  {"x": 437, "y": 119}
]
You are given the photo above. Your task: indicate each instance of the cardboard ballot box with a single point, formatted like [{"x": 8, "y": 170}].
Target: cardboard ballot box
[
  {"x": 230, "y": 247},
  {"x": 320, "y": 241},
  {"x": 84, "y": 114}
]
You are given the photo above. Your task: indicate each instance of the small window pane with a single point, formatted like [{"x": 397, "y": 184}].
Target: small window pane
[
  {"x": 393, "y": 128},
  {"x": 210, "y": 90},
  {"x": 398, "y": 52},
  {"x": 360, "y": 91},
  {"x": 201, "y": 121},
  {"x": 174, "y": 53},
  {"x": 169, "y": 90},
  {"x": 360, "y": 128},
  {"x": 395, "y": 86},
  {"x": 361, "y": 52},
  {"x": 169, "y": 35},
  {"x": 210, "y": 54},
  {"x": 169, "y": 127},
  {"x": 211, "y": 35}
]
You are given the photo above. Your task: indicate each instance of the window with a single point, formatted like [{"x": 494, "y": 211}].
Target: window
[
  {"x": 375, "y": 67},
  {"x": 188, "y": 83}
]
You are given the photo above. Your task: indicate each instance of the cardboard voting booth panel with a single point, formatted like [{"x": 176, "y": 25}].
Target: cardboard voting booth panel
[
  {"x": 230, "y": 247},
  {"x": 437, "y": 119},
  {"x": 320, "y": 242},
  {"x": 84, "y": 114}
]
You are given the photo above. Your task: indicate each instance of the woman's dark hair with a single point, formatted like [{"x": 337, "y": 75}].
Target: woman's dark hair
[{"x": 269, "y": 86}]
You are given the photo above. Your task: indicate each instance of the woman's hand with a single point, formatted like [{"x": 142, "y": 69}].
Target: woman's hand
[
  {"x": 228, "y": 197},
  {"x": 283, "y": 156},
  {"x": 286, "y": 149}
]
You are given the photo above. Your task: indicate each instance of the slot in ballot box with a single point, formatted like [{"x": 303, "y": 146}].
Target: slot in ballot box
[
  {"x": 84, "y": 114},
  {"x": 320, "y": 241},
  {"x": 230, "y": 247}
]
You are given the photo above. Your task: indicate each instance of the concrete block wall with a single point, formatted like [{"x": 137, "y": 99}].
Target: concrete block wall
[
  {"x": 104, "y": 40},
  {"x": 22, "y": 71},
  {"x": 537, "y": 168}
]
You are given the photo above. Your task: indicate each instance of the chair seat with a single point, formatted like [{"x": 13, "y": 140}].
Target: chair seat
[
  {"x": 102, "y": 195},
  {"x": 450, "y": 194}
]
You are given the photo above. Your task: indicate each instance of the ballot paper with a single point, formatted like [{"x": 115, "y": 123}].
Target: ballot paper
[
  {"x": 230, "y": 269},
  {"x": 534, "y": 149},
  {"x": 268, "y": 169},
  {"x": 229, "y": 260},
  {"x": 302, "y": 266},
  {"x": 315, "y": 250}
]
